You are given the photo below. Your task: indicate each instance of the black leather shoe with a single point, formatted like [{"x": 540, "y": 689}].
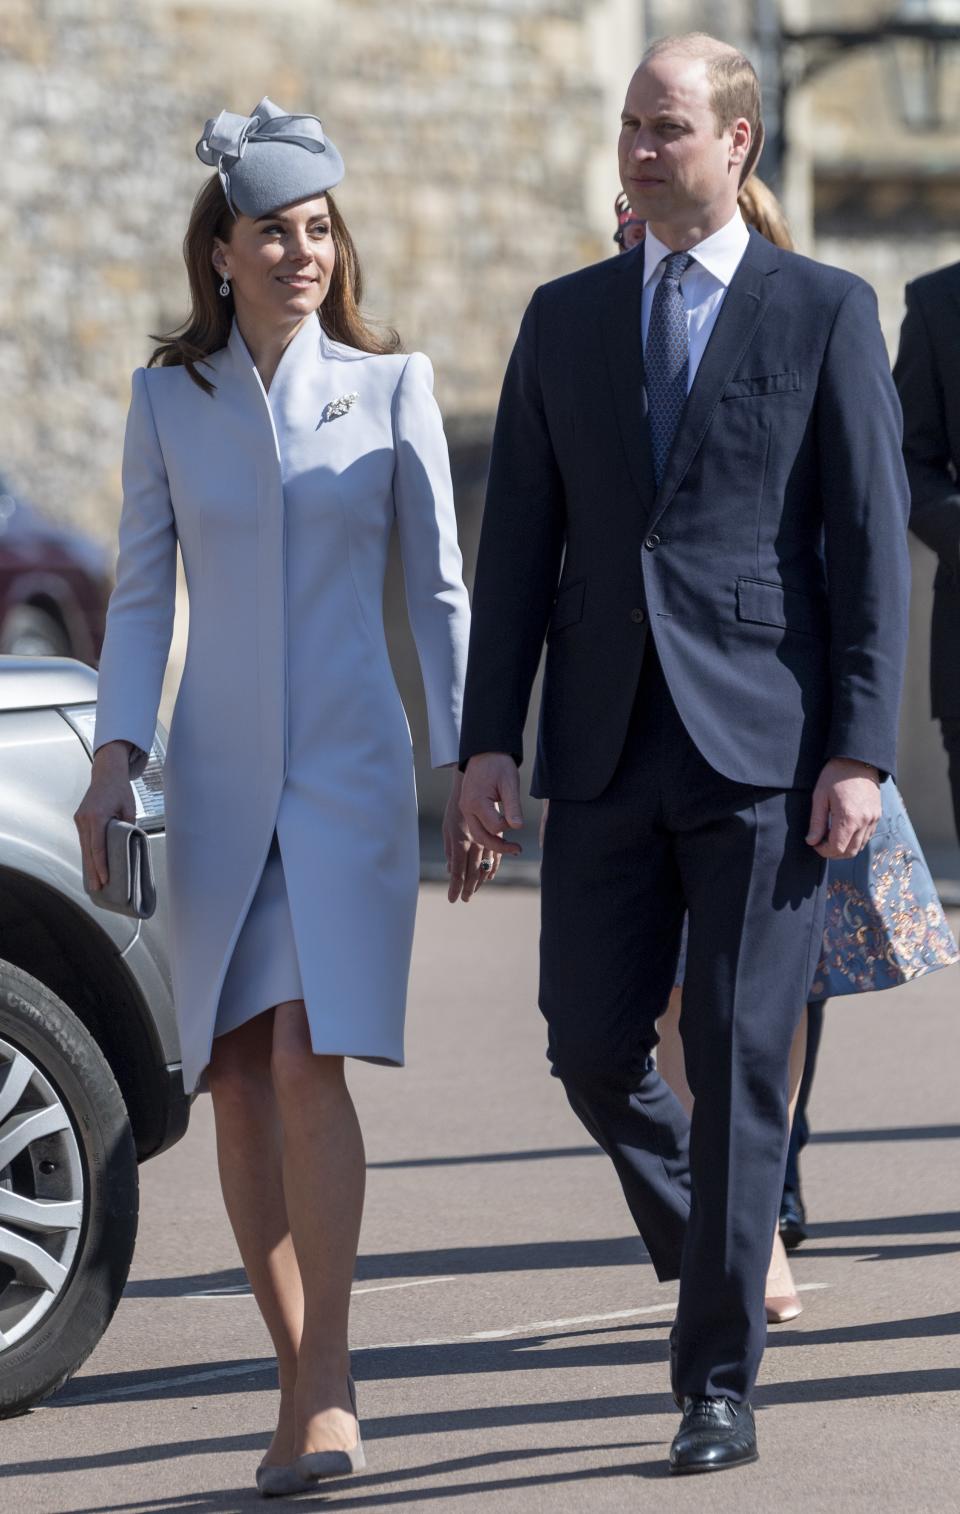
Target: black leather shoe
[
  {"x": 677, "y": 1397},
  {"x": 793, "y": 1220},
  {"x": 715, "y": 1433}
]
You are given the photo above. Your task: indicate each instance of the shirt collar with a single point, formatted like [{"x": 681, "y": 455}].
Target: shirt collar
[{"x": 720, "y": 254}]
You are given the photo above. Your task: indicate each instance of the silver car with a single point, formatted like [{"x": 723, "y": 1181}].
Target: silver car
[{"x": 90, "y": 1081}]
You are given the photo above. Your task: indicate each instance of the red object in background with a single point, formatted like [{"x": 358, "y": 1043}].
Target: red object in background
[
  {"x": 631, "y": 228},
  {"x": 54, "y": 585}
]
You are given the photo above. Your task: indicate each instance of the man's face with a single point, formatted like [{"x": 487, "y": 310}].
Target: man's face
[{"x": 674, "y": 168}]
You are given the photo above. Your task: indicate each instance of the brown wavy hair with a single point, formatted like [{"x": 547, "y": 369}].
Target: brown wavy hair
[
  {"x": 760, "y": 207},
  {"x": 207, "y": 327}
]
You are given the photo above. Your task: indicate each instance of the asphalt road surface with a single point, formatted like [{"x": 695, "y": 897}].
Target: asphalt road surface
[{"x": 509, "y": 1338}]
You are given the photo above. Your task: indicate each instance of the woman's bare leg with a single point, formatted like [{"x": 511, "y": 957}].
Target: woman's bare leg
[
  {"x": 670, "y": 1063},
  {"x": 671, "y": 1067},
  {"x": 324, "y": 1176},
  {"x": 249, "y": 1153},
  {"x": 780, "y": 1283}
]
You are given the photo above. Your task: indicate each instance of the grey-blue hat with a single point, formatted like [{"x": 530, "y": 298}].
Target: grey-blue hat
[{"x": 269, "y": 159}]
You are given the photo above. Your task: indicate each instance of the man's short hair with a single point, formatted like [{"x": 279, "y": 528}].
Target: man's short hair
[{"x": 734, "y": 86}]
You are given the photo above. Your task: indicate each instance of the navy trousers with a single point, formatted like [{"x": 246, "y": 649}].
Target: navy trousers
[
  {"x": 670, "y": 835},
  {"x": 950, "y": 729}
]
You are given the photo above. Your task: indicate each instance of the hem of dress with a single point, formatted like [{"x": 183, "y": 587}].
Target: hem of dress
[{"x": 376, "y": 1059}]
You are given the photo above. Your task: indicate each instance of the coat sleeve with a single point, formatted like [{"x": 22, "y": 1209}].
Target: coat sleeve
[
  {"x": 866, "y": 505},
  {"x": 935, "y": 500},
  {"x": 140, "y": 614},
  {"x": 518, "y": 567},
  {"x": 437, "y": 602}
]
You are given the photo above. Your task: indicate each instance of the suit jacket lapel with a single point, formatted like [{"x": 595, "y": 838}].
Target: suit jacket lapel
[
  {"x": 740, "y": 314},
  {"x": 623, "y": 346}
]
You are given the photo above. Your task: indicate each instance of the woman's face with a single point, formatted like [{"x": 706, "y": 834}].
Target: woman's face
[
  {"x": 633, "y": 234},
  {"x": 280, "y": 265}
]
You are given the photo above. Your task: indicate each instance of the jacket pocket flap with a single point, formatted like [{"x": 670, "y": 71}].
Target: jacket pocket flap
[
  {"x": 772, "y": 605},
  {"x": 568, "y": 608},
  {"x": 768, "y": 383}
]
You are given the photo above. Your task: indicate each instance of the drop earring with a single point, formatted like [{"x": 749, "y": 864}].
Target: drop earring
[{"x": 225, "y": 286}]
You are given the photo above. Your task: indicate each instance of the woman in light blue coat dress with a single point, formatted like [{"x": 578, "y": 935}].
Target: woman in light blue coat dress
[{"x": 278, "y": 440}]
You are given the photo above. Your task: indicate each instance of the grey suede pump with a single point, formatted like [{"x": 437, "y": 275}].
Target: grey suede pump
[
  {"x": 304, "y": 1473},
  {"x": 280, "y": 1482},
  {"x": 315, "y": 1466}
]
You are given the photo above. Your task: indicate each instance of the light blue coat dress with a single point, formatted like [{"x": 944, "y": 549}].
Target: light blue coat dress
[{"x": 288, "y": 740}]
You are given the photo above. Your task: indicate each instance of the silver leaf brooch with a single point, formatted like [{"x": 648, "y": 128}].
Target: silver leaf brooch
[{"x": 338, "y": 407}]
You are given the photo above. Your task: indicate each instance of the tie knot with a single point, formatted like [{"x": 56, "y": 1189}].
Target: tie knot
[{"x": 676, "y": 265}]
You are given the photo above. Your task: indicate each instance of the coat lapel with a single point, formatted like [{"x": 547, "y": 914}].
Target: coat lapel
[
  {"x": 623, "y": 346},
  {"x": 740, "y": 314}
]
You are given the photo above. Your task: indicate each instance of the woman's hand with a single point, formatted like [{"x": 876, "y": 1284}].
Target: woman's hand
[
  {"x": 468, "y": 864},
  {"x": 109, "y": 797}
]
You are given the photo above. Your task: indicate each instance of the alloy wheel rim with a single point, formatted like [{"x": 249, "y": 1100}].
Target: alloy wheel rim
[{"x": 42, "y": 1191}]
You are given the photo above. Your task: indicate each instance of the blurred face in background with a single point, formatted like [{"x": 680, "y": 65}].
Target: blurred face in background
[
  {"x": 676, "y": 171},
  {"x": 632, "y": 233},
  {"x": 279, "y": 266}
]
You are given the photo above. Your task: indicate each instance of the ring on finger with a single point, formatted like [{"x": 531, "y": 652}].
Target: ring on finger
[{"x": 486, "y": 865}]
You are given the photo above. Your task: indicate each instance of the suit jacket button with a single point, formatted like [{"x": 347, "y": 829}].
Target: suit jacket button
[
  {"x": 638, "y": 617},
  {"x": 651, "y": 542}
]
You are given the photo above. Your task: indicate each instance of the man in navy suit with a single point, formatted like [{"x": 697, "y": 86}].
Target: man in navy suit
[
  {"x": 697, "y": 496},
  {"x": 927, "y": 375}
]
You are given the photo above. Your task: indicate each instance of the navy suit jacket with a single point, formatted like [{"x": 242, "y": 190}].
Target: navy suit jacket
[
  {"x": 770, "y": 566},
  {"x": 927, "y": 374}
]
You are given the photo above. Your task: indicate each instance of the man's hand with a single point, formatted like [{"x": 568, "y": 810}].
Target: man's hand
[
  {"x": 490, "y": 801},
  {"x": 846, "y": 808}
]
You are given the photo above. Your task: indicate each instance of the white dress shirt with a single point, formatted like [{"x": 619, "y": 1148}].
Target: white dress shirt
[{"x": 703, "y": 286}]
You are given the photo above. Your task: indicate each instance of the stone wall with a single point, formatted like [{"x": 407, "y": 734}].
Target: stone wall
[
  {"x": 479, "y": 137},
  {"x": 467, "y": 127}
]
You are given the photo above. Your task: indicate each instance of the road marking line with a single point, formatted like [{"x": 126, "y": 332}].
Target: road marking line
[
  {"x": 248, "y": 1369},
  {"x": 420, "y": 1282},
  {"x": 668, "y": 1307},
  {"x": 576, "y": 1319},
  {"x": 243, "y": 1290},
  {"x": 165, "y": 1382}
]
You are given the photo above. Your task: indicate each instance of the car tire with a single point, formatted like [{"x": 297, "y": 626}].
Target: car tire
[
  {"x": 31, "y": 632},
  {"x": 72, "y": 1092}
]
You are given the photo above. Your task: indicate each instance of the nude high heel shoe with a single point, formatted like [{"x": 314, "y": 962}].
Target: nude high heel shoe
[
  {"x": 781, "y": 1301},
  {"x": 317, "y": 1465},
  {"x": 779, "y": 1310}
]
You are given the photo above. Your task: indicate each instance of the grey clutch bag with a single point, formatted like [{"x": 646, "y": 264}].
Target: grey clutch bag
[{"x": 131, "y": 889}]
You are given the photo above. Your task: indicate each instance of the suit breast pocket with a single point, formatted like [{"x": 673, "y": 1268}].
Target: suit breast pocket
[{"x": 763, "y": 386}]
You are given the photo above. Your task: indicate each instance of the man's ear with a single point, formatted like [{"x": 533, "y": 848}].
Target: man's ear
[
  {"x": 753, "y": 154},
  {"x": 740, "y": 144}
]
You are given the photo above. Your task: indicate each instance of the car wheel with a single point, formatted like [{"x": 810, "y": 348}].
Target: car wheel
[
  {"x": 31, "y": 632},
  {"x": 68, "y": 1192}
]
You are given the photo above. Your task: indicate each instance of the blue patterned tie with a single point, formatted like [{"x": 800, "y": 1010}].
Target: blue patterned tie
[{"x": 666, "y": 359}]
